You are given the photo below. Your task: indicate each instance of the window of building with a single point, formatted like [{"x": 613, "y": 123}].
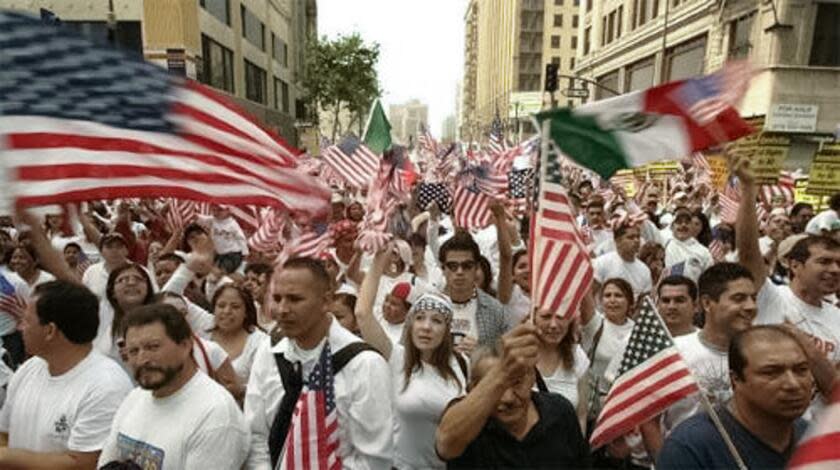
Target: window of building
[
  {"x": 825, "y": 49},
  {"x": 610, "y": 26},
  {"x": 575, "y": 21},
  {"x": 279, "y": 50},
  {"x": 654, "y": 9},
  {"x": 217, "y": 65},
  {"x": 255, "y": 88},
  {"x": 555, "y": 61},
  {"x": 574, "y": 42},
  {"x": 555, "y": 41},
  {"x": 586, "y": 40},
  {"x": 739, "y": 36},
  {"x": 127, "y": 34},
  {"x": 572, "y": 63},
  {"x": 252, "y": 28},
  {"x": 588, "y": 5},
  {"x": 685, "y": 60},
  {"x": 558, "y": 20},
  {"x": 607, "y": 82},
  {"x": 640, "y": 15},
  {"x": 639, "y": 75},
  {"x": 281, "y": 95},
  {"x": 559, "y": 3},
  {"x": 619, "y": 19},
  {"x": 577, "y": 3},
  {"x": 603, "y": 30},
  {"x": 218, "y": 8}
]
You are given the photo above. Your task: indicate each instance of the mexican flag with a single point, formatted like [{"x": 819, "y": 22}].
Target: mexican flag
[
  {"x": 669, "y": 121},
  {"x": 378, "y": 130}
]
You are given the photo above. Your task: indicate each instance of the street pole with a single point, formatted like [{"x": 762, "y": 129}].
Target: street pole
[{"x": 111, "y": 23}]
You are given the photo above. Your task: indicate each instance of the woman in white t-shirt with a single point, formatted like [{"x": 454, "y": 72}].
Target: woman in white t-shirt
[
  {"x": 24, "y": 262},
  {"x": 209, "y": 356},
  {"x": 561, "y": 361},
  {"x": 427, "y": 372},
  {"x": 605, "y": 335},
  {"x": 129, "y": 286},
  {"x": 235, "y": 329}
]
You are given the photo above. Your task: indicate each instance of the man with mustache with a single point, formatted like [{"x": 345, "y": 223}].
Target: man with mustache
[
  {"x": 771, "y": 378},
  {"x": 60, "y": 403},
  {"x": 178, "y": 417}
]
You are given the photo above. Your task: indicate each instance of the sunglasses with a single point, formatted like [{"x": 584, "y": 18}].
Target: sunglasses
[{"x": 454, "y": 265}]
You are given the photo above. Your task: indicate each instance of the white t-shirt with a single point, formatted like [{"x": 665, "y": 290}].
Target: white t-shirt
[
  {"x": 778, "y": 303},
  {"x": 711, "y": 369},
  {"x": 463, "y": 318},
  {"x": 216, "y": 355},
  {"x": 612, "y": 265},
  {"x": 565, "y": 381},
  {"x": 242, "y": 364},
  {"x": 42, "y": 278},
  {"x": 72, "y": 411},
  {"x": 696, "y": 257},
  {"x": 394, "y": 331},
  {"x": 613, "y": 340},
  {"x": 95, "y": 278},
  {"x": 519, "y": 306},
  {"x": 199, "y": 426},
  {"x": 418, "y": 409},
  {"x": 227, "y": 235}
]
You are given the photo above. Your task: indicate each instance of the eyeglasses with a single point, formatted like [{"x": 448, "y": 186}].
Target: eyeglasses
[{"x": 454, "y": 265}]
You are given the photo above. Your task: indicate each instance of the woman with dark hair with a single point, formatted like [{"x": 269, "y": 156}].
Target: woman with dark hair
[
  {"x": 24, "y": 262},
  {"x": 700, "y": 228},
  {"x": 561, "y": 362},
  {"x": 605, "y": 333},
  {"x": 485, "y": 276},
  {"x": 236, "y": 329},
  {"x": 129, "y": 286},
  {"x": 426, "y": 371},
  {"x": 653, "y": 255},
  {"x": 343, "y": 308}
]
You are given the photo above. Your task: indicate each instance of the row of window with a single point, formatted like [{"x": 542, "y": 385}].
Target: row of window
[
  {"x": 558, "y": 61},
  {"x": 611, "y": 25},
  {"x": 555, "y": 42},
  {"x": 253, "y": 30},
  {"x": 558, "y": 21},
  {"x": 217, "y": 71}
]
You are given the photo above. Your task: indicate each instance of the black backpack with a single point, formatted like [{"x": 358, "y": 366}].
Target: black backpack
[{"x": 292, "y": 378}]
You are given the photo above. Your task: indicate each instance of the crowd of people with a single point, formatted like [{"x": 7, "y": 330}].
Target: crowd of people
[{"x": 131, "y": 343}]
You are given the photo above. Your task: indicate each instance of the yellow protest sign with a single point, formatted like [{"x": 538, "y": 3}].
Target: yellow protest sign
[
  {"x": 800, "y": 194},
  {"x": 720, "y": 170},
  {"x": 625, "y": 180},
  {"x": 824, "y": 177}
]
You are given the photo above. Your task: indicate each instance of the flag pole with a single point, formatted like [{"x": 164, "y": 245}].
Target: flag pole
[{"x": 707, "y": 405}]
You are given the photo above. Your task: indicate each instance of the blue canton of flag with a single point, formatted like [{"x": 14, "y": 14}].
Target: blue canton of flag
[{"x": 704, "y": 98}]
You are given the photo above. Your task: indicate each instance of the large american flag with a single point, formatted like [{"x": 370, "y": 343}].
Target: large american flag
[
  {"x": 704, "y": 98},
  {"x": 652, "y": 377},
  {"x": 562, "y": 270},
  {"x": 312, "y": 441},
  {"x": 83, "y": 121},
  {"x": 352, "y": 161},
  {"x": 818, "y": 450}
]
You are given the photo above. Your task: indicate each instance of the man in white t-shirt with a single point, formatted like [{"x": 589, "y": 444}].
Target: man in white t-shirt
[
  {"x": 814, "y": 270},
  {"x": 623, "y": 262},
  {"x": 683, "y": 253},
  {"x": 114, "y": 253},
  {"x": 61, "y": 402}
]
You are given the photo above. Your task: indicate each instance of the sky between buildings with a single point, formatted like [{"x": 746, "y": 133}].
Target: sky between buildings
[{"x": 421, "y": 47}]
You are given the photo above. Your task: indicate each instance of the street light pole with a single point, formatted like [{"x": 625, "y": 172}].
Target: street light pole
[{"x": 111, "y": 23}]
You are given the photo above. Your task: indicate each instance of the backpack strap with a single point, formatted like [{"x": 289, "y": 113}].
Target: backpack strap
[
  {"x": 292, "y": 378},
  {"x": 210, "y": 371}
]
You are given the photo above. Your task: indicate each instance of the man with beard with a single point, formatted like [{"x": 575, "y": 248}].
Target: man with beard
[
  {"x": 178, "y": 417},
  {"x": 61, "y": 402}
]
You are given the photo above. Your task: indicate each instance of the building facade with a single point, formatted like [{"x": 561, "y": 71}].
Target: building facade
[
  {"x": 250, "y": 50},
  {"x": 407, "y": 119},
  {"x": 560, "y": 42},
  {"x": 630, "y": 45},
  {"x": 503, "y": 55}
]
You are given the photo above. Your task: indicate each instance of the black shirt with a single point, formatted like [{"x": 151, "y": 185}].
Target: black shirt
[
  {"x": 696, "y": 443},
  {"x": 554, "y": 442}
]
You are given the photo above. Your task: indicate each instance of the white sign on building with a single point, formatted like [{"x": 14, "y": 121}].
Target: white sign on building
[
  {"x": 792, "y": 118},
  {"x": 524, "y": 103}
]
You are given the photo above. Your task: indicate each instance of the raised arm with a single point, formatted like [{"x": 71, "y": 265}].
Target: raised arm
[
  {"x": 372, "y": 331},
  {"x": 746, "y": 227},
  {"x": 505, "y": 252},
  {"x": 49, "y": 257}
]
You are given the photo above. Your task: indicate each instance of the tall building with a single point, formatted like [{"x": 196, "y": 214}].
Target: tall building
[
  {"x": 251, "y": 50},
  {"x": 406, "y": 120},
  {"x": 560, "y": 41},
  {"x": 503, "y": 55},
  {"x": 449, "y": 129},
  {"x": 794, "y": 46}
]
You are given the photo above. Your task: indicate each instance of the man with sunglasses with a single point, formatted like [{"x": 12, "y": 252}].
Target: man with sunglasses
[{"x": 478, "y": 318}]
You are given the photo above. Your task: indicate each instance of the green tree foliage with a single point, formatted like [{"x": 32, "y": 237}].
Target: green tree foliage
[{"x": 341, "y": 73}]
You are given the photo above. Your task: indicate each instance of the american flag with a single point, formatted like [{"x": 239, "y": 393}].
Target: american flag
[
  {"x": 717, "y": 250},
  {"x": 182, "y": 212},
  {"x": 520, "y": 188},
  {"x": 268, "y": 237},
  {"x": 699, "y": 161},
  {"x": 306, "y": 245},
  {"x": 561, "y": 266},
  {"x": 730, "y": 200},
  {"x": 426, "y": 141},
  {"x": 476, "y": 188},
  {"x": 434, "y": 192},
  {"x": 11, "y": 302},
  {"x": 652, "y": 377},
  {"x": 84, "y": 122},
  {"x": 312, "y": 442},
  {"x": 706, "y": 97},
  {"x": 784, "y": 188},
  {"x": 818, "y": 450},
  {"x": 352, "y": 161},
  {"x": 496, "y": 143}
]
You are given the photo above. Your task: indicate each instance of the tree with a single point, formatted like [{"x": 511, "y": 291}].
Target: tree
[{"x": 341, "y": 74}]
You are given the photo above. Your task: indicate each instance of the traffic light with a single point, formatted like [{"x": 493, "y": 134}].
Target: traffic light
[{"x": 551, "y": 77}]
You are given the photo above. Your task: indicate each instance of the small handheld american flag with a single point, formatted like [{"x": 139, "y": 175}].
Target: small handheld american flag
[
  {"x": 11, "y": 301},
  {"x": 312, "y": 442}
]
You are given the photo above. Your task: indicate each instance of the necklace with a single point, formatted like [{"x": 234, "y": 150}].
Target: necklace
[{"x": 461, "y": 304}]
